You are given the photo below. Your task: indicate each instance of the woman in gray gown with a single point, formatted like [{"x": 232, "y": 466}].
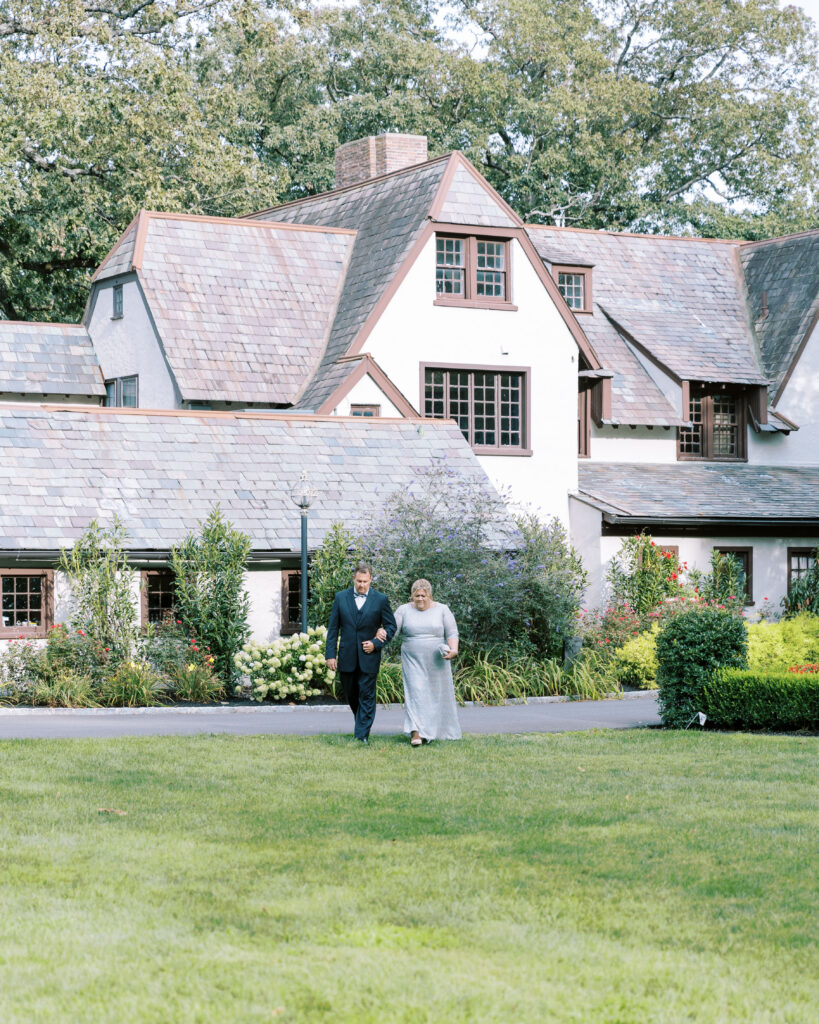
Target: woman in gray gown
[{"x": 430, "y": 644}]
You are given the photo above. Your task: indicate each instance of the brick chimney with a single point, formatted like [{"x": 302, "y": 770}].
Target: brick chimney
[{"x": 378, "y": 154}]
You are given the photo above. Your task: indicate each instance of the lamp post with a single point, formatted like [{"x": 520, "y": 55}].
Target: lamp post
[{"x": 303, "y": 495}]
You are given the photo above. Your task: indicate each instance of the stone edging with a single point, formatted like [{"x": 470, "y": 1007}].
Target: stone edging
[{"x": 279, "y": 709}]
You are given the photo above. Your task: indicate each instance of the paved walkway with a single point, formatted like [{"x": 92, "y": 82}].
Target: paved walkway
[{"x": 540, "y": 715}]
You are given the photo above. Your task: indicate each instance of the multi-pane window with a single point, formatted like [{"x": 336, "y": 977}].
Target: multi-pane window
[
  {"x": 122, "y": 391},
  {"x": 574, "y": 284},
  {"x": 472, "y": 270},
  {"x": 157, "y": 595},
  {"x": 365, "y": 410},
  {"x": 291, "y": 601},
  {"x": 488, "y": 405},
  {"x": 26, "y": 602},
  {"x": 800, "y": 560},
  {"x": 116, "y": 302},
  {"x": 745, "y": 558},
  {"x": 717, "y": 427}
]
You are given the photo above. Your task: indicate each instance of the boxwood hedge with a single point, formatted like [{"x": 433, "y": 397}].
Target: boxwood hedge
[{"x": 749, "y": 699}]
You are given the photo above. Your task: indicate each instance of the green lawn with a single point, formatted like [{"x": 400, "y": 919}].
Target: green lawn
[{"x": 605, "y": 877}]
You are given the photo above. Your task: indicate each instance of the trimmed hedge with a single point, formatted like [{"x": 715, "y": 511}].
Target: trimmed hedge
[
  {"x": 748, "y": 699},
  {"x": 691, "y": 649}
]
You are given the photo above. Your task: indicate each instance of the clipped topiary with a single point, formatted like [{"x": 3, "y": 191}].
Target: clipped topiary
[{"x": 691, "y": 648}]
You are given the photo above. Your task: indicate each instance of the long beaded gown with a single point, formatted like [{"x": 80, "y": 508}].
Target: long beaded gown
[{"x": 429, "y": 696}]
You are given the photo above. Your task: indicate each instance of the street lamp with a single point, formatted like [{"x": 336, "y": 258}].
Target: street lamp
[{"x": 303, "y": 495}]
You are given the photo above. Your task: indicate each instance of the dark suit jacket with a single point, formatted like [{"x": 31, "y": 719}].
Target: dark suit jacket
[{"x": 356, "y": 627}]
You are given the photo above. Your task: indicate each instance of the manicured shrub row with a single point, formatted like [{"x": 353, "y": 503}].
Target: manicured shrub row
[{"x": 748, "y": 699}]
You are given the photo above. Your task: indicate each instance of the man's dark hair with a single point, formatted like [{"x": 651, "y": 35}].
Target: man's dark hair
[{"x": 362, "y": 567}]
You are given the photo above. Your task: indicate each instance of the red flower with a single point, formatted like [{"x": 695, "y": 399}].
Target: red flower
[{"x": 81, "y": 632}]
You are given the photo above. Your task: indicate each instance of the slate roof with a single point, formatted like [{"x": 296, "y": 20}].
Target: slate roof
[
  {"x": 692, "y": 492},
  {"x": 388, "y": 214},
  {"x": 162, "y": 472},
  {"x": 243, "y": 309},
  {"x": 48, "y": 359},
  {"x": 786, "y": 270},
  {"x": 681, "y": 300}
]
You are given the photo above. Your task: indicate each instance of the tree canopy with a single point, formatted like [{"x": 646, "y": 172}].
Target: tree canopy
[{"x": 653, "y": 115}]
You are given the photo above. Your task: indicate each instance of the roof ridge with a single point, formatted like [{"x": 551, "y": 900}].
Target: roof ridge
[
  {"x": 349, "y": 188},
  {"x": 41, "y": 323},
  {"x": 219, "y": 414},
  {"x": 242, "y": 222},
  {"x": 780, "y": 238},
  {"x": 636, "y": 234}
]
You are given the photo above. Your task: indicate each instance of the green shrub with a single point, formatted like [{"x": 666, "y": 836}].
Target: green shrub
[
  {"x": 777, "y": 701},
  {"x": 724, "y": 584},
  {"x": 389, "y": 687},
  {"x": 291, "y": 668},
  {"x": 331, "y": 570},
  {"x": 21, "y": 665},
  {"x": 209, "y": 590},
  {"x": 133, "y": 684},
  {"x": 635, "y": 663},
  {"x": 103, "y": 609},
  {"x": 691, "y": 648},
  {"x": 642, "y": 575},
  {"x": 775, "y": 646},
  {"x": 194, "y": 682}
]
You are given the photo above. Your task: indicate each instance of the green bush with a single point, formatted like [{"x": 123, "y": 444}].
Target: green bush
[
  {"x": 515, "y": 587},
  {"x": 635, "y": 663},
  {"x": 210, "y": 593},
  {"x": 194, "y": 682},
  {"x": 642, "y": 575},
  {"x": 803, "y": 596},
  {"x": 134, "y": 684},
  {"x": 331, "y": 570},
  {"x": 64, "y": 689},
  {"x": 691, "y": 648},
  {"x": 724, "y": 584},
  {"x": 776, "y": 646},
  {"x": 777, "y": 701},
  {"x": 291, "y": 668}
]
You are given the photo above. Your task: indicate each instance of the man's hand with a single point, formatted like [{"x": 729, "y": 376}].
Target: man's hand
[
  {"x": 381, "y": 634},
  {"x": 331, "y": 664},
  {"x": 368, "y": 646}
]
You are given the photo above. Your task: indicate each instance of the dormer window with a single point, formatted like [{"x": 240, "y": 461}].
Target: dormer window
[
  {"x": 472, "y": 271},
  {"x": 574, "y": 284},
  {"x": 718, "y": 426}
]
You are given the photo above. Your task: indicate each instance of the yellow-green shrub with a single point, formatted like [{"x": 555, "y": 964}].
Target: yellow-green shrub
[
  {"x": 774, "y": 646},
  {"x": 635, "y": 663}
]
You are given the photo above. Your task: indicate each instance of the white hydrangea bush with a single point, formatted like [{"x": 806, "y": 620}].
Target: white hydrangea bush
[{"x": 291, "y": 668}]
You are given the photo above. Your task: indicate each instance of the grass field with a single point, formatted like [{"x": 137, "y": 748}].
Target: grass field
[{"x": 612, "y": 878}]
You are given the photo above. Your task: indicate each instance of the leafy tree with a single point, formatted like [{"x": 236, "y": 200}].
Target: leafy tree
[
  {"x": 331, "y": 570},
  {"x": 210, "y": 596}
]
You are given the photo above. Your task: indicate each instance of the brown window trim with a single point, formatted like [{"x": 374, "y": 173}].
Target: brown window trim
[
  {"x": 365, "y": 410},
  {"x": 287, "y": 627},
  {"x": 797, "y": 553},
  {"x": 749, "y": 562},
  {"x": 706, "y": 393},
  {"x": 526, "y": 373},
  {"x": 470, "y": 299},
  {"x": 584, "y": 403},
  {"x": 33, "y": 632},
  {"x": 143, "y": 593},
  {"x": 117, "y": 381},
  {"x": 582, "y": 271}
]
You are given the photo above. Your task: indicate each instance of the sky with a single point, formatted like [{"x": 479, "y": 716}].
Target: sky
[{"x": 810, "y": 7}]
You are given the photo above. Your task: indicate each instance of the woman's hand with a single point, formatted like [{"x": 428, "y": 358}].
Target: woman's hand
[{"x": 381, "y": 634}]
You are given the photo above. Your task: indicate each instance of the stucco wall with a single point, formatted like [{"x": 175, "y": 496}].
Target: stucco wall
[
  {"x": 800, "y": 403},
  {"x": 638, "y": 445},
  {"x": 584, "y": 536},
  {"x": 129, "y": 345},
  {"x": 366, "y": 392},
  {"x": 413, "y": 330}
]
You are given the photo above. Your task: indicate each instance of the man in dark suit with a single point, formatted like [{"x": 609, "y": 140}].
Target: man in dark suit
[{"x": 358, "y": 613}]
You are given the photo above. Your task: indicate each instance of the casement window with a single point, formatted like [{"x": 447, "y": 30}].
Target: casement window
[
  {"x": 28, "y": 602},
  {"x": 718, "y": 428},
  {"x": 489, "y": 404},
  {"x": 122, "y": 391},
  {"x": 291, "y": 602},
  {"x": 365, "y": 410},
  {"x": 471, "y": 271},
  {"x": 157, "y": 595},
  {"x": 800, "y": 560},
  {"x": 116, "y": 302},
  {"x": 574, "y": 284},
  {"x": 745, "y": 557}
]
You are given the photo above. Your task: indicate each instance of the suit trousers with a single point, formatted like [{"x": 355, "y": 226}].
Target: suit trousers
[{"x": 359, "y": 692}]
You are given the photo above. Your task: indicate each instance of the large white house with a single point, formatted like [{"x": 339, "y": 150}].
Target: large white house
[{"x": 409, "y": 318}]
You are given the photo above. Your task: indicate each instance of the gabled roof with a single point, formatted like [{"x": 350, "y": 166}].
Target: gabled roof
[
  {"x": 388, "y": 214},
  {"x": 243, "y": 308},
  {"x": 689, "y": 493},
  {"x": 162, "y": 472},
  {"x": 782, "y": 275},
  {"x": 48, "y": 359},
  {"x": 677, "y": 302},
  {"x": 336, "y": 380}
]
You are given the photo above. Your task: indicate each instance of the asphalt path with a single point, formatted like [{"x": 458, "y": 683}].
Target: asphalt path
[{"x": 634, "y": 711}]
